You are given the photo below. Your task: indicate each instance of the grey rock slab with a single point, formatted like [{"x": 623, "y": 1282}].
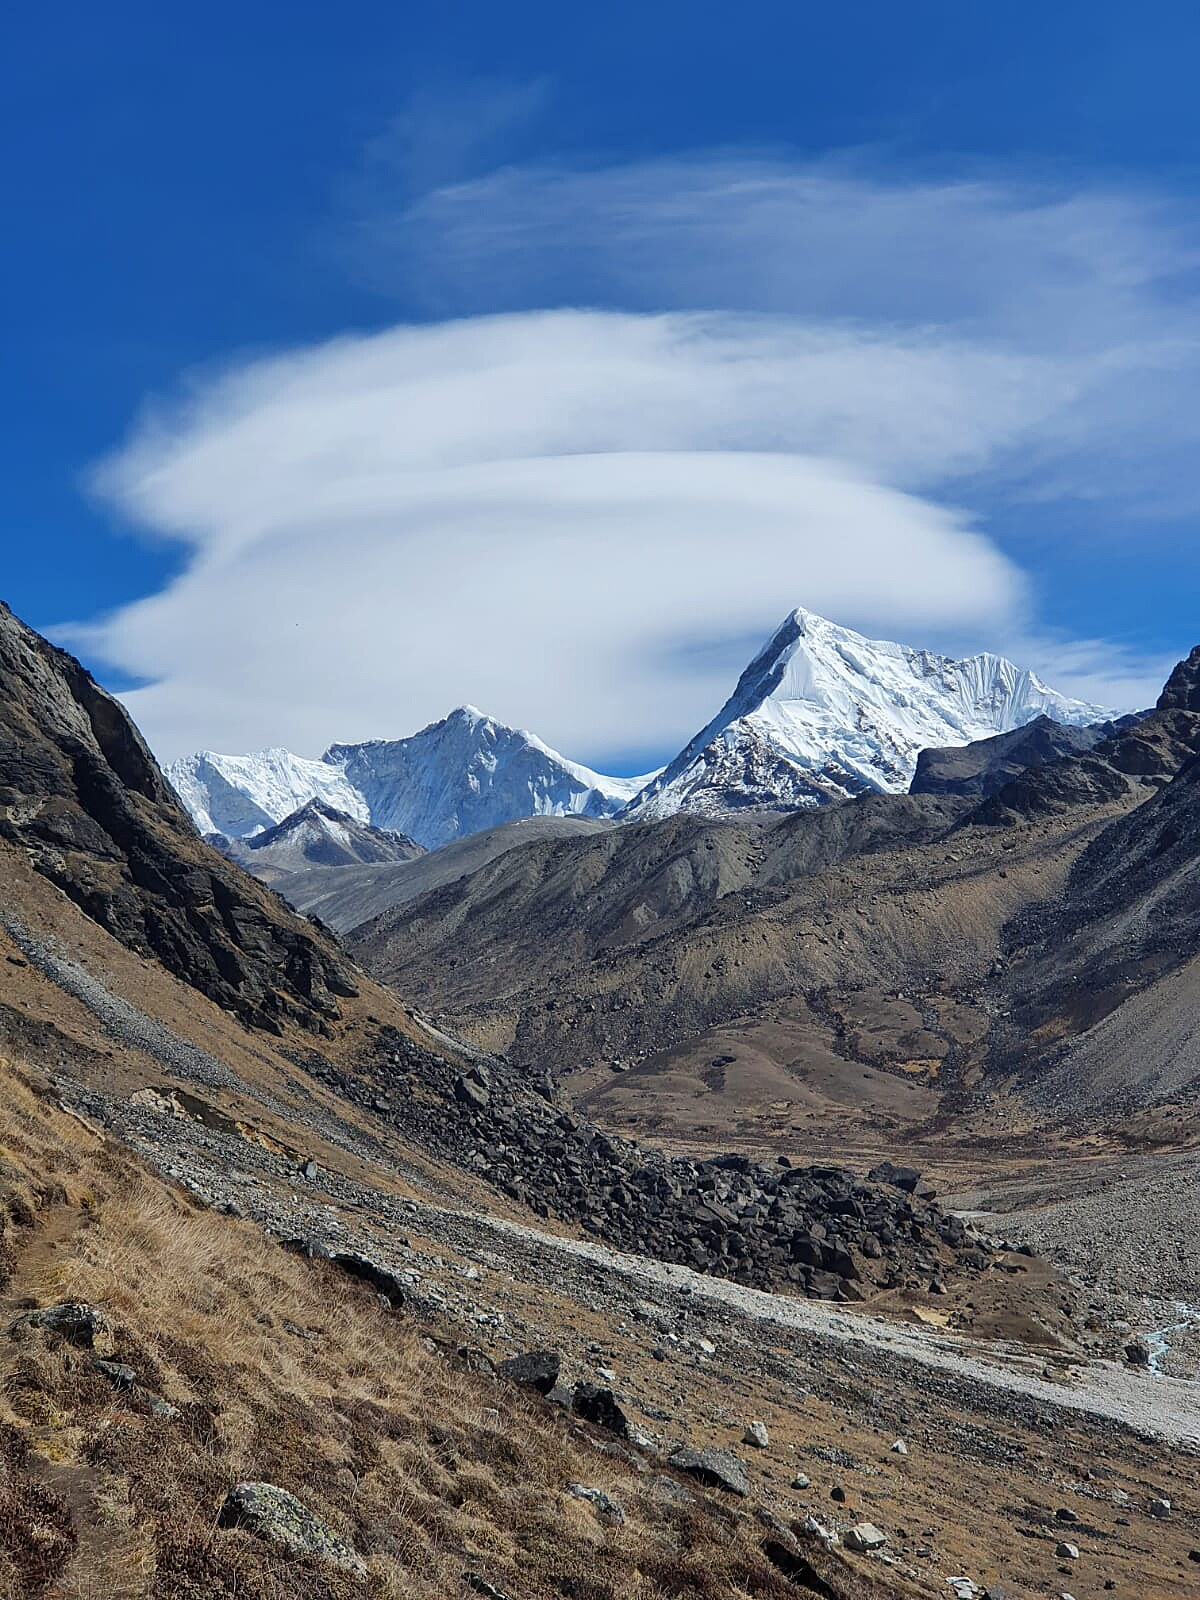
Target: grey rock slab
[
  {"x": 716, "y": 1469},
  {"x": 865, "y": 1536},
  {"x": 278, "y": 1517}
]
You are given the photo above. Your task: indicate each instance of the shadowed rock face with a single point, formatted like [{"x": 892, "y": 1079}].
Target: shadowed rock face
[
  {"x": 1135, "y": 757},
  {"x": 82, "y": 795},
  {"x": 982, "y": 767}
]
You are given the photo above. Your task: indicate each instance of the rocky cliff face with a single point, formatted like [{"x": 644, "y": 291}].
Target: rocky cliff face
[
  {"x": 81, "y": 794},
  {"x": 1139, "y": 755},
  {"x": 1130, "y": 911}
]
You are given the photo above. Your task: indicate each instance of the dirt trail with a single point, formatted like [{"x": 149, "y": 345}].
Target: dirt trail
[
  {"x": 100, "y": 1553},
  {"x": 1148, "y": 1403}
]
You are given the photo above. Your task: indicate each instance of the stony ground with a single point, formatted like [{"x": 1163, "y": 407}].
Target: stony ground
[
  {"x": 695, "y": 1359},
  {"x": 1002, "y": 1445}
]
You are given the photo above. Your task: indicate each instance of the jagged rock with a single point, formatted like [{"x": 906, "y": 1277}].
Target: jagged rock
[
  {"x": 81, "y": 793},
  {"x": 756, "y": 1435},
  {"x": 384, "y": 1282},
  {"x": 605, "y": 1505},
  {"x": 801, "y": 1481},
  {"x": 814, "y": 1528},
  {"x": 277, "y": 1516},
  {"x": 598, "y": 1405},
  {"x": 1138, "y": 1353},
  {"x": 469, "y": 1092},
  {"x": 1066, "y": 1552},
  {"x": 899, "y": 1448},
  {"x": 716, "y": 1469},
  {"x": 76, "y": 1323},
  {"x": 117, "y": 1373},
  {"x": 534, "y": 1369}
]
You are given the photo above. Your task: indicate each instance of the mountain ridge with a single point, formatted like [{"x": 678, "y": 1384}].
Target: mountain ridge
[{"x": 821, "y": 713}]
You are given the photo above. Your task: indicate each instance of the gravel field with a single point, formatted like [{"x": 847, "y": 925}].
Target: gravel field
[{"x": 1137, "y": 1235}]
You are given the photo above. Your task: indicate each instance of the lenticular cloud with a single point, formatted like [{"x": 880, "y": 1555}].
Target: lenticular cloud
[{"x": 533, "y": 511}]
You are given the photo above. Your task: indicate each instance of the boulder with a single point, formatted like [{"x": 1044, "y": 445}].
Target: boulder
[
  {"x": 278, "y": 1517},
  {"x": 76, "y": 1323},
  {"x": 117, "y": 1373},
  {"x": 597, "y": 1404},
  {"x": 383, "y": 1281},
  {"x": 905, "y": 1178},
  {"x": 716, "y": 1469},
  {"x": 534, "y": 1369},
  {"x": 865, "y": 1536},
  {"x": 470, "y": 1091},
  {"x": 756, "y": 1435}
]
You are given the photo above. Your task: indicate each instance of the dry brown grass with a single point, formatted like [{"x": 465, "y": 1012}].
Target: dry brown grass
[{"x": 285, "y": 1371}]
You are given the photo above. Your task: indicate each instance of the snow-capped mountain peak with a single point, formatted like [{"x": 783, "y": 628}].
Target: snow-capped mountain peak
[
  {"x": 317, "y": 834},
  {"x": 459, "y": 775},
  {"x": 241, "y": 795},
  {"x": 469, "y": 772},
  {"x": 823, "y": 712}
]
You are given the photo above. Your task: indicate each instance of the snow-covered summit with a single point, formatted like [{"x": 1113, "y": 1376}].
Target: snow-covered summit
[
  {"x": 318, "y": 835},
  {"x": 822, "y": 713},
  {"x": 469, "y": 772},
  {"x": 457, "y": 776},
  {"x": 241, "y": 795}
]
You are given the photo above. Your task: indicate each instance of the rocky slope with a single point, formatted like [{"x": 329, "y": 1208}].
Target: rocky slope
[
  {"x": 85, "y": 804},
  {"x": 932, "y": 937},
  {"x": 81, "y": 795},
  {"x": 1127, "y": 921},
  {"x": 343, "y": 897},
  {"x": 985, "y": 765}
]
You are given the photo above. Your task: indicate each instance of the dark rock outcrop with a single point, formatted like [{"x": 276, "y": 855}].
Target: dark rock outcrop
[
  {"x": 598, "y": 1405},
  {"x": 533, "y": 1369},
  {"x": 76, "y": 1323},
  {"x": 1140, "y": 754},
  {"x": 985, "y": 765}
]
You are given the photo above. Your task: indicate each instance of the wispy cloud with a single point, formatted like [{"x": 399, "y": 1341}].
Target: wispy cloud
[{"x": 811, "y": 375}]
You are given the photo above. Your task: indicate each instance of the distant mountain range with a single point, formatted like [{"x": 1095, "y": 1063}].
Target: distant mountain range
[{"x": 821, "y": 713}]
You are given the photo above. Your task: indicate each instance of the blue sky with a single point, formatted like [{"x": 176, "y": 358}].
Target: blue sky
[{"x": 648, "y": 323}]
